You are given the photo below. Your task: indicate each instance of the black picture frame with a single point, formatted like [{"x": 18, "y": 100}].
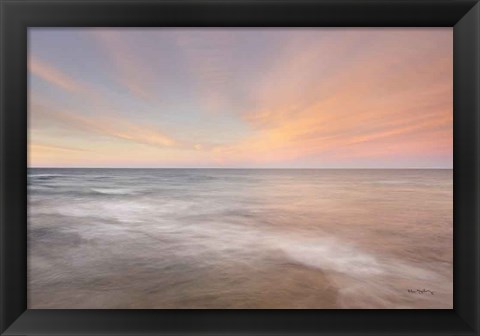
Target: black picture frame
[{"x": 17, "y": 15}]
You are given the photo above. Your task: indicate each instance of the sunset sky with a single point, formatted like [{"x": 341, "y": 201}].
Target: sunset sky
[{"x": 266, "y": 98}]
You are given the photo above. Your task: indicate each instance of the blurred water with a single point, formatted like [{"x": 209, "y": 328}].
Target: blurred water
[{"x": 224, "y": 238}]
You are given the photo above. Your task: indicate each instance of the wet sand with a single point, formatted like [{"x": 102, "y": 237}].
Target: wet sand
[{"x": 268, "y": 284}]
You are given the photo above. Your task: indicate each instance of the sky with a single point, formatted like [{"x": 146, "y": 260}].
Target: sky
[{"x": 241, "y": 97}]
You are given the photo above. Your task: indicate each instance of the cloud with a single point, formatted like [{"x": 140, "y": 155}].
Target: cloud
[
  {"x": 207, "y": 54},
  {"x": 103, "y": 126},
  {"x": 393, "y": 97},
  {"x": 40, "y": 147},
  {"x": 108, "y": 123},
  {"x": 53, "y": 75},
  {"x": 132, "y": 73},
  {"x": 321, "y": 97}
]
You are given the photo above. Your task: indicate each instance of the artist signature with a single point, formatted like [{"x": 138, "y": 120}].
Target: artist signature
[{"x": 421, "y": 291}]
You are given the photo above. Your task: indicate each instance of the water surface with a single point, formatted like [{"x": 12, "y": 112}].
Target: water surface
[{"x": 246, "y": 238}]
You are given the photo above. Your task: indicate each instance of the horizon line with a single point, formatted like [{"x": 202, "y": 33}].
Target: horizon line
[{"x": 249, "y": 168}]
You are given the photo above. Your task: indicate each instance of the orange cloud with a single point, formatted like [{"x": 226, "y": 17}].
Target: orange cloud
[
  {"x": 54, "y": 148},
  {"x": 104, "y": 126},
  {"x": 53, "y": 75},
  {"x": 394, "y": 105},
  {"x": 324, "y": 98}
]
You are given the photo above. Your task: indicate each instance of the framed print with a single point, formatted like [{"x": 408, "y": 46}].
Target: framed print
[
  {"x": 240, "y": 167},
  {"x": 188, "y": 176}
]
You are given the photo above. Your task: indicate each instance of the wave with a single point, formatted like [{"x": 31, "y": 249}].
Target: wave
[
  {"x": 38, "y": 188},
  {"x": 113, "y": 191},
  {"x": 122, "y": 211},
  {"x": 332, "y": 255},
  {"x": 46, "y": 176},
  {"x": 393, "y": 182}
]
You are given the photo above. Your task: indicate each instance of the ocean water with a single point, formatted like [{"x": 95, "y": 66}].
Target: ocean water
[{"x": 246, "y": 238}]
